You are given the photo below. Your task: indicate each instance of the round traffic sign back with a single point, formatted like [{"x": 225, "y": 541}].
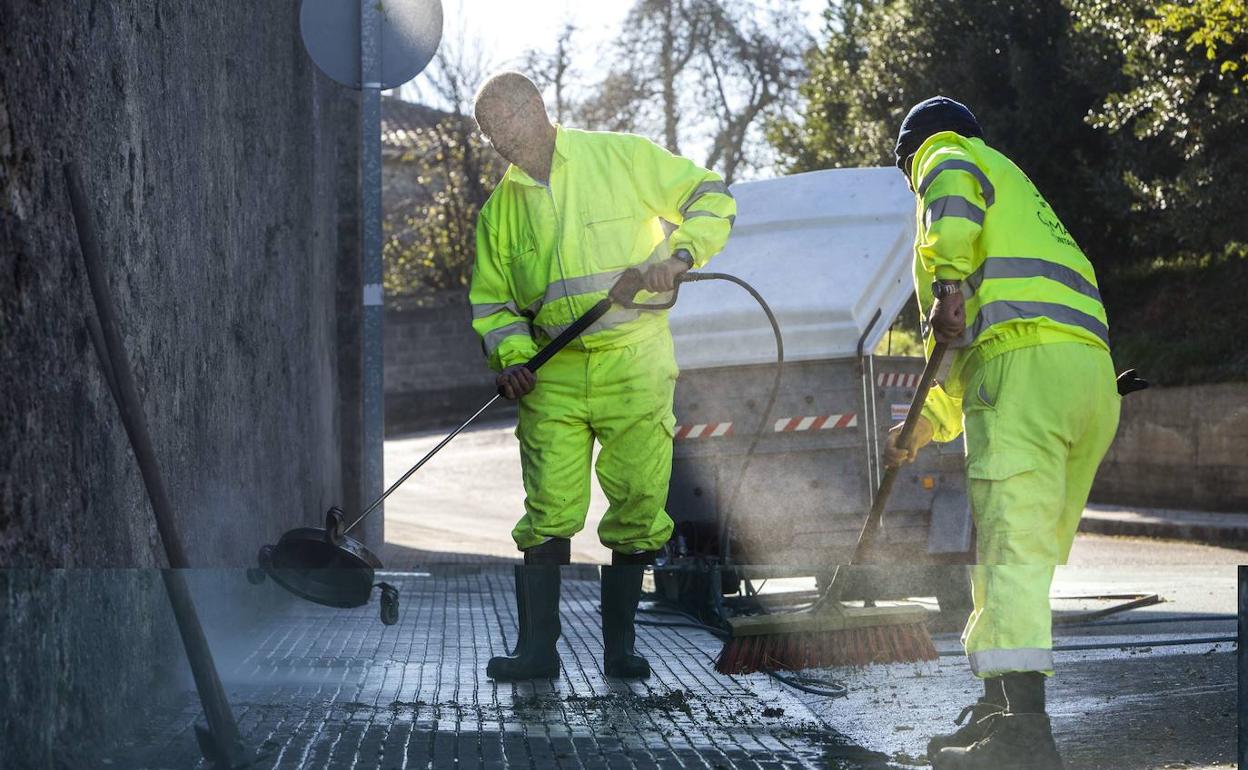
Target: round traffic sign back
[{"x": 410, "y": 33}]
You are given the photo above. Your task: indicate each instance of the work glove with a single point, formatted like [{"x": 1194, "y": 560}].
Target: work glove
[
  {"x": 895, "y": 456},
  {"x": 661, "y": 276},
  {"x": 515, "y": 381},
  {"x": 948, "y": 318}
]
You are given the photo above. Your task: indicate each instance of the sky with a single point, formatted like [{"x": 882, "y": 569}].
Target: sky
[{"x": 507, "y": 28}]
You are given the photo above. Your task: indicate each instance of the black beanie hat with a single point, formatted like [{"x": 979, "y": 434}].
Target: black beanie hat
[{"x": 931, "y": 116}]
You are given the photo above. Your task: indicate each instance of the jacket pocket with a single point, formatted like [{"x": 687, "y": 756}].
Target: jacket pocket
[
  {"x": 608, "y": 239},
  {"x": 983, "y": 391},
  {"x": 520, "y": 247},
  {"x": 999, "y": 464}
]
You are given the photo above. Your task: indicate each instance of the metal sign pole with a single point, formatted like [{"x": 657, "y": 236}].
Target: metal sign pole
[
  {"x": 372, "y": 475},
  {"x": 371, "y": 45}
]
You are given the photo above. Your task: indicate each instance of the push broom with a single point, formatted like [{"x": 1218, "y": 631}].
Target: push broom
[{"x": 830, "y": 633}]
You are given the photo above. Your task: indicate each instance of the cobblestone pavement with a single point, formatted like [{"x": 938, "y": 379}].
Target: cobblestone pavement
[
  {"x": 327, "y": 688},
  {"x": 315, "y": 687}
]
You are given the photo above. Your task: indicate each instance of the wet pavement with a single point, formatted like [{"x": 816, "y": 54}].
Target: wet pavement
[
  {"x": 336, "y": 689},
  {"x": 319, "y": 688}
]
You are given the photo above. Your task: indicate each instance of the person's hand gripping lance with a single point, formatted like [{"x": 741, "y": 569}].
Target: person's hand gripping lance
[{"x": 515, "y": 382}]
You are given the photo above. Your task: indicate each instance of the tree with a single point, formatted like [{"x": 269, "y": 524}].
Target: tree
[
  {"x": 642, "y": 90},
  {"x": 1014, "y": 64},
  {"x": 753, "y": 67},
  {"x": 430, "y": 242},
  {"x": 735, "y": 63},
  {"x": 552, "y": 72},
  {"x": 1128, "y": 114},
  {"x": 1179, "y": 114}
]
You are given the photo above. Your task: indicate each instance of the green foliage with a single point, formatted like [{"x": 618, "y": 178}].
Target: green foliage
[
  {"x": 1130, "y": 115},
  {"x": 900, "y": 342},
  {"x": 1179, "y": 320},
  {"x": 1179, "y": 118},
  {"x": 1013, "y": 63},
  {"x": 443, "y": 177}
]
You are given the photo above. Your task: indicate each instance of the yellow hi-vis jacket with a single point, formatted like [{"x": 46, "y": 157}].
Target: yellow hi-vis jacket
[
  {"x": 982, "y": 222},
  {"x": 548, "y": 253}
]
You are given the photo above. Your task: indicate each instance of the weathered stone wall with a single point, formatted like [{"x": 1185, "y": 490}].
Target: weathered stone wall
[
  {"x": 220, "y": 168},
  {"x": 436, "y": 374},
  {"x": 1180, "y": 448}
]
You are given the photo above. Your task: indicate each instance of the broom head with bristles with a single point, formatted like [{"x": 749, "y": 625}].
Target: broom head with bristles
[{"x": 831, "y": 637}]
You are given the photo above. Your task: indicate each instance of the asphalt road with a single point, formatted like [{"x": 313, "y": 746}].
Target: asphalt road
[{"x": 467, "y": 499}]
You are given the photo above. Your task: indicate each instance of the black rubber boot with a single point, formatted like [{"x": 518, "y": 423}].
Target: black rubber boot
[
  {"x": 1014, "y": 742},
  {"x": 1020, "y": 738},
  {"x": 976, "y": 728},
  {"x": 621, "y": 590},
  {"x": 537, "y": 605}
]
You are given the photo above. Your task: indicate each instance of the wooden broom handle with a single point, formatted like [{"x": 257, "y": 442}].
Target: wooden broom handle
[{"x": 872, "y": 525}]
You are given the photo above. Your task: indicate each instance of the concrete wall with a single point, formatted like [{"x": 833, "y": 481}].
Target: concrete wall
[
  {"x": 1180, "y": 448},
  {"x": 220, "y": 168},
  {"x": 436, "y": 374}
]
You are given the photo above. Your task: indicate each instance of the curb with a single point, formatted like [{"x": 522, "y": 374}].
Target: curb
[{"x": 1231, "y": 535}]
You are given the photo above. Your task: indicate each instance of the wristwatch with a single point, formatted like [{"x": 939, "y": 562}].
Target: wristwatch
[
  {"x": 684, "y": 256},
  {"x": 942, "y": 289}
]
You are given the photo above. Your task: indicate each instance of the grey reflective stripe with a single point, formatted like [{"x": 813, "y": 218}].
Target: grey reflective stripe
[
  {"x": 614, "y": 317},
  {"x": 588, "y": 284},
  {"x": 993, "y": 662},
  {"x": 990, "y": 193},
  {"x": 1031, "y": 267},
  {"x": 953, "y": 206},
  {"x": 997, "y": 312},
  {"x": 732, "y": 218},
  {"x": 487, "y": 309},
  {"x": 704, "y": 189},
  {"x": 495, "y": 337},
  {"x": 583, "y": 284}
]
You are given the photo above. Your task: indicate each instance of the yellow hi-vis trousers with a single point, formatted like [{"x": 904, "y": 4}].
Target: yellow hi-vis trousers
[
  {"x": 1038, "y": 421},
  {"x": 622, "y": 396}
]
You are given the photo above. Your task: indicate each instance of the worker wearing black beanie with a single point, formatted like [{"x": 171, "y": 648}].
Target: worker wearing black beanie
[
  {"x": 931, "y": 116},
  {"x": 1006, "y": 287}
]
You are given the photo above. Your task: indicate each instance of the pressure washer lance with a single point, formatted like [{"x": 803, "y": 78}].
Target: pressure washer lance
[{"x": 327, "y": 566}]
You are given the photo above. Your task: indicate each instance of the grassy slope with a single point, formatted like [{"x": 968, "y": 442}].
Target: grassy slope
[{"x": 1181, "y": 321}]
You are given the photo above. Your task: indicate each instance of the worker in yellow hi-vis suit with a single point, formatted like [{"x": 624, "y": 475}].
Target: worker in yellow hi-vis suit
[
  {"x": 573, "y": 211},
  {"x": 1033, "y": 387}
]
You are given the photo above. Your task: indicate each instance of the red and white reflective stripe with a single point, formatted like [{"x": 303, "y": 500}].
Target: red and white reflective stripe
[
  {"x": 817, "y": 422},
  {"x": 898, "y": 380},
  {"x": 704, "y": 430}
]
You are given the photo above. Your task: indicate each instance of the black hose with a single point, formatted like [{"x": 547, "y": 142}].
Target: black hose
[
  {"x": 725, "y": 546},
  {"x": 1150, "y": 621},
  {"x": 1150, "y": 643},
  {"x": 797, "y": 682}
]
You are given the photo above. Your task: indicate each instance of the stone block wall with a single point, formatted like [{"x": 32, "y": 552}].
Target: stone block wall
[
  {"x": 436, "y": 374},
  {"x": 1183, "y": 447}
]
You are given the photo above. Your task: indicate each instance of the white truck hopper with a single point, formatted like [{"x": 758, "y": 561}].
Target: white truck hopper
[{"x": 828, "y": 250}]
